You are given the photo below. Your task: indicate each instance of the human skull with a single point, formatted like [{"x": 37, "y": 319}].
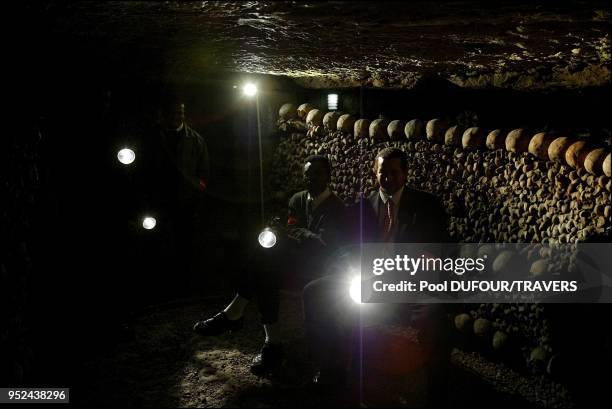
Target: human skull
[
  {"x": 496, "y": 139},
  {"x": 500, "y": 340},
  {"x": 607, "y": 165},
  {"x": 463, "y": 322},
  {"x": 414, "y": 129},
  {"x": 395, "y": 129},
  {"x": 314, "y": 118},
  {"x": 378, "y": 129},
  {"x": 287, "y": 112},
  {"x": 361, "y": 128},
  {"x": 482, "y": 326},
  {"x": 346, "y": 123},
  {"x": 330, "y": 121},
  {"x": 538, "y": 146},
  {"x": 435, "y": 130},
  {"x": 472, "y": 138},
  {"x": 303, "y": 110},
  {"x": 558, "y": 148},
  {"x": 577, "y": 153},
  {"x": 593, "y": 162},
  {"x": 452, "y": 136},
  {"x": 518, "y": 140}
]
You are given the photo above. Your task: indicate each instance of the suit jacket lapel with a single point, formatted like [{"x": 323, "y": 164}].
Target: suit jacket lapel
[
  {"x": 405, "y": 215},
  {"x": 374, "y": 200},
  {"x": 315, "y": 216}
]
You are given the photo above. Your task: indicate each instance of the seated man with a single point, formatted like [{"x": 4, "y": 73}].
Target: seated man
[
  {"x": 314, "y": 230},
  {"x": 394, "y": 213}
]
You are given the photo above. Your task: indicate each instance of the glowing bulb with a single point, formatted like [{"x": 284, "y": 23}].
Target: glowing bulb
[
  {"x": 126, "y": 156},
  {"x": 249, "y": 89},
  {"x": 267, "y": 238},
  {"x": 149, "y": 223},
  {"x": 355, "y": 290},
  {"x": 332, "y": 102}
]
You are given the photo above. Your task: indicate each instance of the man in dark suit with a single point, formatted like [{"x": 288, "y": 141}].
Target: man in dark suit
[
  {"x": 395, "y": 213},
  {"x": 314, "y": 230}
]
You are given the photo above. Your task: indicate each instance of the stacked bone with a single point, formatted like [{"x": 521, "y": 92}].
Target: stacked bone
[
  {"x": 512, "y": 331},
  {"x": 498, "y": 186},
  {"x": 506, "y": 332}
]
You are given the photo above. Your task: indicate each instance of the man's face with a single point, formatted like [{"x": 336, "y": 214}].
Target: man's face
[
  {"x": 315, "y": 177},
  {"x": 389, "y": 174},
  {"x": 175, "y": 116}
]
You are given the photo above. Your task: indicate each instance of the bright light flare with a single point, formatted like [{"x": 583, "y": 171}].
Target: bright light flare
[
  {"x": 149, "y": 223},
  {"x": 126, "y": 156},
  {"x": 249, "y": 89},
  {"x": 355, "y": 290},
  {"x": 267, "y": 238}
]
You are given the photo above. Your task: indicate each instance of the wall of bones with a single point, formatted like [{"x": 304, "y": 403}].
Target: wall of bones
[{"x": 498, "y": 186}]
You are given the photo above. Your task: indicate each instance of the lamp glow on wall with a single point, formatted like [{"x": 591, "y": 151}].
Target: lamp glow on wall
[{"x": 332, "y": 102}]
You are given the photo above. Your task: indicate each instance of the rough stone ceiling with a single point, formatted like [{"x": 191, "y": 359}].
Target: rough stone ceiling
[{"x": 333, "y": 44}]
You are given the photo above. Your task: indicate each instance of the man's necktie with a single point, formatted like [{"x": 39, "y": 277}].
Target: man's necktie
[
  {"x": 388, "y": 220},
  {"x": 309, "y": 202}
]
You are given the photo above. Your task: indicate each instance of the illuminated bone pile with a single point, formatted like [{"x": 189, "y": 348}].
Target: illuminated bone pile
[{"x": 498, "y": 186}]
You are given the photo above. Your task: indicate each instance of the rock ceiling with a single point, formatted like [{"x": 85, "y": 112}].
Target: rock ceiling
[{"x": 344, "y": 44}]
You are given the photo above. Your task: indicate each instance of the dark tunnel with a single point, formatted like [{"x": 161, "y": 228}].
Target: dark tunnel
[{"x": 495, "y": 118}]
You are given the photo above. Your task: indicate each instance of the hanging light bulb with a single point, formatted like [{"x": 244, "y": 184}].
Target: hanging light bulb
[
  {"x": 249, "y": 89},
  {"x": 149, "y": 223},
  {"x": 126, "y": 156},
  {"x": 267, "y": 238},
  {"x": 332, "y": 102}
]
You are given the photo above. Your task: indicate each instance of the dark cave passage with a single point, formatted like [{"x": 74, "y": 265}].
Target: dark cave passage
[{"x": 499, "y": 112}]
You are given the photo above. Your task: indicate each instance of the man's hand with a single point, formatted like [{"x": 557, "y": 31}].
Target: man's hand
[
  {"x": 301, "y": 235},
  {"x": 202, "y": 185}
]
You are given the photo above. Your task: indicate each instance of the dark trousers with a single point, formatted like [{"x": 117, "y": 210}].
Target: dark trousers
[
  {"x": 330, "y": 317},
  {"x": 260, "y": 281},
  {"x": 286, "y": 265},
  {"x": 187, "y": 216}
]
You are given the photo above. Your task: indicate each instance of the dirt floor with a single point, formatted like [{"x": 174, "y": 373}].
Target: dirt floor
[{"x": 161, "y": 363}]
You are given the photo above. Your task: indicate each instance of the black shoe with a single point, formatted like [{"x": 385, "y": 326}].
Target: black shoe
[
  {"x": 269, "y": 359},
  {"x": 217, "y": 325}
]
